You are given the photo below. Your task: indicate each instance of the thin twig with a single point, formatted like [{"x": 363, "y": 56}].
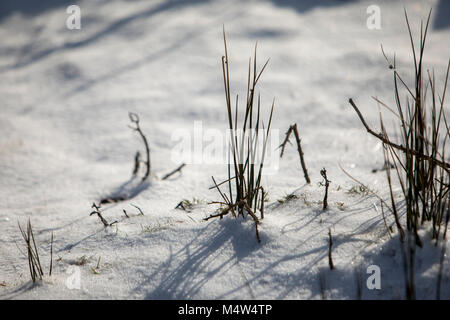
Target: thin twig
[
  {"x": 444, "y": 165},
  {"x": 141, "y": 213},
  {"x": 99, "y": 215},
  {"x": 137, "y": 162},
  {"x": 293, "y": 128},
  {"x": 323, "y": 172},
  {"x": 300, "y": 152},
  {"x": 330, "y": 246},
  {"x": 286, "y": 140},
  {"x": 180, "y": 205},
  {"x": 174, "y": 171},
  {"x": 134, "y": 118},
  {"x": 219, "y": 184}
]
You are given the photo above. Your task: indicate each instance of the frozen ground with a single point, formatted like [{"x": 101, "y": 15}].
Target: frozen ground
[{"x": 64, "y": 143}]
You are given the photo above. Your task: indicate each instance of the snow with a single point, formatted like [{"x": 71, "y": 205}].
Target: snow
[{"x": 64, "y": 144}]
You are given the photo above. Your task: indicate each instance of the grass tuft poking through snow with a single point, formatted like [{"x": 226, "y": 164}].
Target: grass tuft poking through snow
[
  {"x": 420, "y": 159},
  {"x": 245, "y": 147},
  {"x": 34, "y": 262}
]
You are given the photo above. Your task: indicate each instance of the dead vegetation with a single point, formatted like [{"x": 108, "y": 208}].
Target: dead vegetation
[
  {"x": 100, "y": 216},
  {"x": 135, "y": 126},
  {"x": 32, "y": 253},
  {"x": 173, "y": 172},
  {"x": 419, "y": 160},
  {"x": 326, "y": 184},
  {"x": 330, "y": 248},
  {"x": 134, "y": 118},
  {"x": 189, "y": 205},
  {"x": 293, "y": 128},
  {"x": 287, "y": 198},
  {"x": 245, "y": 148}
]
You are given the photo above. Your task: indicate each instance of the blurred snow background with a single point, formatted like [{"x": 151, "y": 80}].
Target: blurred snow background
[{"x": 64, "y": 143}]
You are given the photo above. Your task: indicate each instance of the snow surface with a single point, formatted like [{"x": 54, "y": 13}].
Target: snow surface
[{"x": 64, "y": 143}]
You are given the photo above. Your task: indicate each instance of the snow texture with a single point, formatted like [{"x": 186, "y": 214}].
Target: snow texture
[{"x": 64, "y": 144}]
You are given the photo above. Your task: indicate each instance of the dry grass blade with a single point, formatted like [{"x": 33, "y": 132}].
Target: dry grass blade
[
  {"x": 174, "y": 171},
  {"x": 99, "y": 215},
  {"x": 141, "y": 213}
]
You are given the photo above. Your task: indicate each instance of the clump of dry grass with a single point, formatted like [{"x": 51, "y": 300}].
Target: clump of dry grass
[
  {"x": 420, "y": 159},
  {"x": 245, "y": 149},
  {"x": 32, "y": 253}
]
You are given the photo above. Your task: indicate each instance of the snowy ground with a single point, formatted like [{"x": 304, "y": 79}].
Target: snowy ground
[{"x": 64, "y": 143}]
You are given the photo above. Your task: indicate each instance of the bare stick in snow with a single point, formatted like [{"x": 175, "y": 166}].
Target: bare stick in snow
[
  {"x": 323, "y": 172},
  {"x": 293, "y": 128},
  {"x": 174, "y": 171},
  {"x": 330, "y": 258},
  {"x": 134, "y": 118}
]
